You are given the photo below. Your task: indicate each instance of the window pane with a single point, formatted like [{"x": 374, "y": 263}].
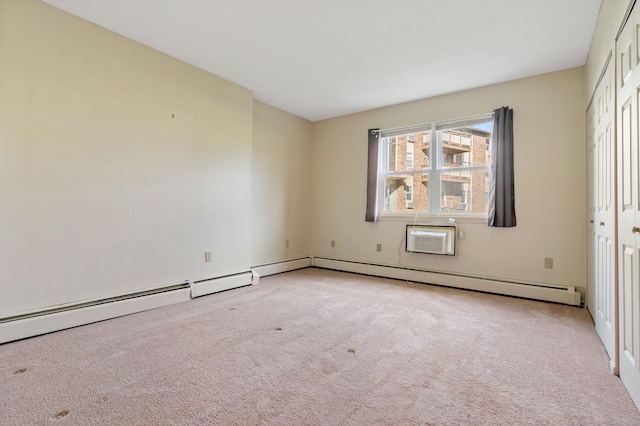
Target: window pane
[
  {"x": 406, "y": 152},
  {"x": 466, "y": 146},
  {"x": 421, "y": 150},
  {"x": 465, "y": 190},
  {"x": 403, "y": 193}
]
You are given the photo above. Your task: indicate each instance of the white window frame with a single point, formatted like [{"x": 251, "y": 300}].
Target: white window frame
[{"x": 434, "y": 170}]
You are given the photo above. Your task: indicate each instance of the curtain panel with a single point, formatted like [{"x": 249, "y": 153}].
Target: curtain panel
[
  {"x": 372, "y": 176},
  {"x": 502, "y": 210}
]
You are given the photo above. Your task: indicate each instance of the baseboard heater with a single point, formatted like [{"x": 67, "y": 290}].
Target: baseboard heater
[
  {"x": 72, "y": 315},
  {"x": 281, "y": 266},
  {"x": 215, "y": 285},
  {"x": 567, "y": 295},
  {"x": 55, "y": 319}
]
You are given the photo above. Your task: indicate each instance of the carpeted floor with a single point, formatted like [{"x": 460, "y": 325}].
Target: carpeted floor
[{"x": 316, "y": 347}]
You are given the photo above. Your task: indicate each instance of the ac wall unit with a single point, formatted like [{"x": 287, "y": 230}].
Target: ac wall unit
[{"x": 432, "y": 239}]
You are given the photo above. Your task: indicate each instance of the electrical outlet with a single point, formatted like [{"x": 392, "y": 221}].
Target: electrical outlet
[
  {"x": 333, "y": 243},
  {"x": 548, "y": 263},
  {"x": 286, "y": 243},
  {"x": 207, "y": 256},
  {"x": 378, "y": 247}
]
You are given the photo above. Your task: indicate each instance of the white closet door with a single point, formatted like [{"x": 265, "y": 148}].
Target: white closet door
[
  {"x": 601, "y": 298},
  {"x": 591, "y": 210},
  {"x": 628, "y": 86}
]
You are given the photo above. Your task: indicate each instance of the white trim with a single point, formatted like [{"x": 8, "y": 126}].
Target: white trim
[
  {"x": 284, "y": 266},
  {"x": 215, "y": 285},
  {"x": 559, "y": 294},
  {"x": 35, "y": 325},
  {"x": 613, "y": 368},
  {"x": 417, "y": 128},
  {"x": 411, "y": 217}
]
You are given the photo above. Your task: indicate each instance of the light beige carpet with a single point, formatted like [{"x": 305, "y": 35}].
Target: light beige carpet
[{"x": 315, "y": 347}]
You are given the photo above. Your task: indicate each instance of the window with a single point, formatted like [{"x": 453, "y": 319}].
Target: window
[
  {"x": 409, "y": 195},
  {"x": 448, "y": 158}
]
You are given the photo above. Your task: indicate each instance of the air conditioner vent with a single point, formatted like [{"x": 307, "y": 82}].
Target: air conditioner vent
[{"x": 431, "y": 238}]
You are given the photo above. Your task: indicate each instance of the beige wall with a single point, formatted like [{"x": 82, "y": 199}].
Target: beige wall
[
  {"x": 281, "y": 176},
  {"x": 612, "y": 12},
  {"x": 120, "y": 166},
  {"x": 549, "y": 181}
]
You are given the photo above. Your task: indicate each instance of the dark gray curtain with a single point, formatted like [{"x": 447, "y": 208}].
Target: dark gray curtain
[
  {"x": 502, "y": 209},
  {"x": 372, "y": 176}
]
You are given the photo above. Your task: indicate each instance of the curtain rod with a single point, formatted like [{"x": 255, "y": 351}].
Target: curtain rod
[{"x": 416, "y": 126}]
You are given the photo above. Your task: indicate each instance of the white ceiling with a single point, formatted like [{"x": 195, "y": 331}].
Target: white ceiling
[{"x": 324, "y": 58}]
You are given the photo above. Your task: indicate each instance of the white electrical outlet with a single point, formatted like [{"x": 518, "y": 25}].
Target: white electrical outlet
[
  {"x": 207, "y": 256},
  {"x": 548, "y": 263}
]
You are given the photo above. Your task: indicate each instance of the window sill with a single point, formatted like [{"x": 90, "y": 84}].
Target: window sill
[{"x": 433, "y": 217}]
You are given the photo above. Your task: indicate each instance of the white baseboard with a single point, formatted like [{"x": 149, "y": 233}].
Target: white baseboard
[
  {"x": 47, "y": 323},
  {"x": 280, "y": 267},
  {"x": 565, "y": 295},
  {"x": 215, "y": 285}
]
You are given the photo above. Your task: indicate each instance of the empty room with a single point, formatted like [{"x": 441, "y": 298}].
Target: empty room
[{"x": 319, "y": 213}]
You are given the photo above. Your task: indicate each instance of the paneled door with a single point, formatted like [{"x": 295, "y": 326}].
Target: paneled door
[
  {"x": 628, "y": 91},
  {"x": 591, "y": 209},
  {"x": 602, "y": 213}
]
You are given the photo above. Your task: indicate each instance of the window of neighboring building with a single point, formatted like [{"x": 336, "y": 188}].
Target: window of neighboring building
[
  {"x": 447, "y": 158},
  {"x": 409, "y": 155}
]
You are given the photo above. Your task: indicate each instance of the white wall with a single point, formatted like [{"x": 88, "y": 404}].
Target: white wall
[
  {"x": 281, "y": 182},
  {"x": 550, "y": 177},
  {"x": 120, "y": 166}
]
